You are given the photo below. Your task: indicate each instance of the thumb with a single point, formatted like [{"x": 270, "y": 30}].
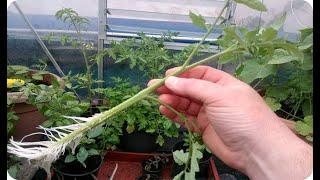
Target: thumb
[{"x": 200, "y": 90}]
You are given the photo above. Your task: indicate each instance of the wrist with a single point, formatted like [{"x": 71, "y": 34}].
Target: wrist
[{"x": 277, "y": 153}]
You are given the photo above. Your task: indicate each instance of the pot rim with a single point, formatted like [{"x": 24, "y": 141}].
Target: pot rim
[{"x": 79, "y": 175}]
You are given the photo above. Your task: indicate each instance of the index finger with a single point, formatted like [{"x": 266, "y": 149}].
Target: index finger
[{"x": 205, "y": 73}]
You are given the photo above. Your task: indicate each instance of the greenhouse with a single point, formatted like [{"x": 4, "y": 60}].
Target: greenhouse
[{"x": 159, "y": 89}]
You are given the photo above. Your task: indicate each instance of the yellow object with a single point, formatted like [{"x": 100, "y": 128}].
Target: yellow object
[{"x": 15, "y": 83}]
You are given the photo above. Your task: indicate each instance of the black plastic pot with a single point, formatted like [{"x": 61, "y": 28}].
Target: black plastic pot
[
  {"x": 149, "y": 177},
  {"x": 91, "y": 111},
  {"x": 204, "y": 163},
  {"x": 76, "y": 169},
  {"x": 137, "y": 141}
]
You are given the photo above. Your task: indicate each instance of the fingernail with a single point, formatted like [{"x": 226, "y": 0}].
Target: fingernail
[{"x": 172, "y": 81}]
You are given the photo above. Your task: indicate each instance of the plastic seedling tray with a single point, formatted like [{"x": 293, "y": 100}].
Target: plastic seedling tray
[{"x": 130, "y": 166}]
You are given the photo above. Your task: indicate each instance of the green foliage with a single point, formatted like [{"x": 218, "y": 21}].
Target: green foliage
[
  {"x": 148, "y": 54},
  {"x": 278, "y": 23},
  {"x": 79, "y": 23},
  {"x": 109, "y": 138},
  {"x": 305, "y": 127},
  {"x": 24, "y": 73},
  {"x": 88, "y": 147},
  {"x": 49, "y": 37},
  {"x": 252, "y": 70},
  {"x": 272, "y": 103},
  {"x": 70, "y": 16},
  {"x": 13, "y": 165},
  {"x": 189, "y": 158},
  {"x": 180, "y": 157},
  {"x": 12, "y": 117},
  {"x": 54, "y": 103},
  {"x": 197, "y": 20},
  {"x": 284, "y": 69},
  {"x": 254, "y": 4},
  {"x": 143, "y": 116}
]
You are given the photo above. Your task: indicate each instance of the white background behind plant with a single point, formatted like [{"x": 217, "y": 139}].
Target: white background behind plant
[{"x": 299, "y": 12}]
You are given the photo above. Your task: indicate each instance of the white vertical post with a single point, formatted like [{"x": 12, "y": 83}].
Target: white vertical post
[{"x": 102, "y": 35}]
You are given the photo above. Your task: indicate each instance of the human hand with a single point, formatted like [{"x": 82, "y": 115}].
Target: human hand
[{"x": 236, "y": 124}]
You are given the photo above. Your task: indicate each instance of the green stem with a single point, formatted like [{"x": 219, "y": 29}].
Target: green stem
[
  {"x": 185, "y": 120},
  {"x": 290, "y": 114},
  {"x": 210, "y": 29},
  {"x": 84, "y": 53}
]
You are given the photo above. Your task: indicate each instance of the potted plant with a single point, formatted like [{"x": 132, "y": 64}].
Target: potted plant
[
  {"x": 84, "y": 162},
  {"x": 154, "y": 165},
  {"x": 22, "y": 116},
  {"x": 204, "y": 162}
]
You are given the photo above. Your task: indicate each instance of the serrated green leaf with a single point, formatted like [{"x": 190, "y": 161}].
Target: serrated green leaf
[
  {"x": 180, "y": 157},
  {"x": 253, "y": 70},
  {"x": 92, "y": 152},
  {"x": 195, "y": 157},
  {"x": 307, "y": 42},
  {"x": 291, "y": 49},
  {"x": 305, "y": 32},
  {"x": 69, "y": 158},
  {"x": 307, "y": 63},
  {"x": 37, "y": 77},
  {"x": 47, "y": 123},
  {"x": 13, "y": 170},
  {"x": 82, "y": 155},
  {"x": 278, "y": 93},
  {"x": 145, "y": 102},
  {"x": 268, "y": 34},
  {"x": 197, "y": 20},
  {"x": 254, "y": 4},
  {"x": 130, "y": 128},
  {"x": 160, "y": 140},
  {"x": 279, "y": 22},
  {"x": 272, "y": 103},
  {"x": 280, "y": 57},
  {"x": 232, "y": 33},
  {"x": 251, "y": 36},
  {"x": 303, "y": 128},
  {"x": 308, "y": 120},
  {"x": 95, "y": 132}
]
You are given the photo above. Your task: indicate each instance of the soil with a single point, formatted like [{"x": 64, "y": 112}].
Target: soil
[{"x": 154, "y": 169}]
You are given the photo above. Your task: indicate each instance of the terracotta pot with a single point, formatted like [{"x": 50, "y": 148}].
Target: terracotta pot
[{"x": 29, "y": 117}]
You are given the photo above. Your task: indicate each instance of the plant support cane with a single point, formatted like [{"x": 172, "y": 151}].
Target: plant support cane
[{"x": 43, "y": 153}]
